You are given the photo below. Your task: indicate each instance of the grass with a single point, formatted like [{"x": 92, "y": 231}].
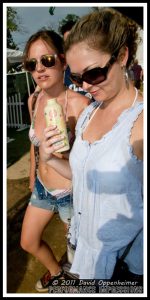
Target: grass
[{"x": 19, "y": 146}]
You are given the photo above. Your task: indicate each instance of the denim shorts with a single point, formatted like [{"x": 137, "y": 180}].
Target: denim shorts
[{"x": 43, "y": 199}]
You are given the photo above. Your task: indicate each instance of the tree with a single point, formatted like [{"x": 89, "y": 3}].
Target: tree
[
  {"x": 69, "y": 17},
  {"x": 10, "y": 42},
  {"x": 51, "y": 10},
  {"x": 12, "y": 25}
]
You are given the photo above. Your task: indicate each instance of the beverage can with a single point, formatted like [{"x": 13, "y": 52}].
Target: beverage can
[{"x": 54, "y": 115}]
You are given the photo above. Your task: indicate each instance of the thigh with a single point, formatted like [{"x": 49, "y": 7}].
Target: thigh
[
  {"x": 34, "y": 223},
  {"x": 41, "y": 198}
]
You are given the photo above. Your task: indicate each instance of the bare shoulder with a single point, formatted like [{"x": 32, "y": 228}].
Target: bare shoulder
[
  {"x": 140, "y": 96},
  {"x": 138, "y": 124},
  {"x": 77, "y": 102},
  {"x": 30, "y": 99},
  {"x": 30, "y": 104},
  {"x": 137, "y": 130},
  {"x": 33, "y": 99},
  {"x": 137, "y": 136}
]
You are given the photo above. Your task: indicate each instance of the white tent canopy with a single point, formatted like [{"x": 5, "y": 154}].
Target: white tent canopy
[{"x": 14, "y": 56}]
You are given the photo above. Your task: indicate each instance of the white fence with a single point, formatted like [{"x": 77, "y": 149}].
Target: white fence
[{"x": 14, "y": 112}]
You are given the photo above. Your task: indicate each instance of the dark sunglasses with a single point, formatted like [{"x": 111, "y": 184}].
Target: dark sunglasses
[
  {"x": 47, "y": 60},
  {"x": 93, "y": 76}
]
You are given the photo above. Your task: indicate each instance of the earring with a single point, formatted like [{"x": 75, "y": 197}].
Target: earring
[
  {"x": 126, "y": 76},
  {"x": 64, "y": 77}
]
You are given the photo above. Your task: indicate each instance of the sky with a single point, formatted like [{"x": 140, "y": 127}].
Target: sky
[{"x": 34, "y": 18}]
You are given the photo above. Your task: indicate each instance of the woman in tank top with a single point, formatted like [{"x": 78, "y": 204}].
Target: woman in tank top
[
  {"x": 107, "y": 156},
  {"x": 51, "y": 192}
]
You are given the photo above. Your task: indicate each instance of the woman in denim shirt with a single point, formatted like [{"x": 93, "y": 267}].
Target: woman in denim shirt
[{"x": 106, "y": 163}]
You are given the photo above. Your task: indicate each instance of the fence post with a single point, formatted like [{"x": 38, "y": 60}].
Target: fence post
[{"x": 14, "y": 112}]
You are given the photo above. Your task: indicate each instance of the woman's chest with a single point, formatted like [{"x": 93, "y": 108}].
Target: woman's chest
[{"x": 98, "y": 126}]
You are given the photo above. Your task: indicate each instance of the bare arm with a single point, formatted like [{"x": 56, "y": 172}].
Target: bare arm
[
  {"x": 48, "y": 147},
  {"x": 32, "y": 168},
  {"x": 61, "y": 166},
  {"x": 32, "y": 155}
]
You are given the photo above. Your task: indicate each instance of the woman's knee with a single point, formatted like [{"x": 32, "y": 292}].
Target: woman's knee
[{"x": 28, "y": 244}]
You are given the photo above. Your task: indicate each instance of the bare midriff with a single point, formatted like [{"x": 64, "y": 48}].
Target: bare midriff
[{"x": 51, "y": 179}]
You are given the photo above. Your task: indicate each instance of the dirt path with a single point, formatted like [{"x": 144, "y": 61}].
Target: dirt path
[{"x": 20, "y": 169}]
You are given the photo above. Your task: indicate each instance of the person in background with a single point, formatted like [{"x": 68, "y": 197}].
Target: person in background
[
  {"x": 138, "y": 74},
  {"x": 51, "y": 192},
  {"x": 106, "y": 161},
  {"x": 64, "y": 31}
]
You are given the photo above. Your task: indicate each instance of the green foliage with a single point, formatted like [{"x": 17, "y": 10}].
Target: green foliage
[
  {"x": 12, "y": 19},
  {"x": 10, "y": 42},
  {"x": 12, "y": 25},
  {"x": 69, "y": 17},
  {"x": 51, "y": 10}
]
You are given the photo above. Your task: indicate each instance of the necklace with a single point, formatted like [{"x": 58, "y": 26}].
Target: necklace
[
  {"x": 135, "y": 98},
  {"x": 93, "y": 115}
]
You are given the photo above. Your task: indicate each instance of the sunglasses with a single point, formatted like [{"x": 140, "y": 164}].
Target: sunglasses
[
  {"x": 93, "y": 76},
  {"x": 47, "y": 60}
]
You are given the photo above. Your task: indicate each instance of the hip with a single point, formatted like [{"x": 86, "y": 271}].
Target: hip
[{"x": 52, "y": 179}]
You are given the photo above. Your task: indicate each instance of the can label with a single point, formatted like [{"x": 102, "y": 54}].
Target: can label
[{"x": 54, "y": 116}]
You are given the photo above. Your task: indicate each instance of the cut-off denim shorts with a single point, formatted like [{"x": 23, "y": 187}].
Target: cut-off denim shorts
[{"x": 43, "y": 199}]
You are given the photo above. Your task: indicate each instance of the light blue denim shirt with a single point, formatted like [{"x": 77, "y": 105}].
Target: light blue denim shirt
[{"x": 108, "y": 204}]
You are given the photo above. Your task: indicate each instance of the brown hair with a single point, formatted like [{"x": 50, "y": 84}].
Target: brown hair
[
  {"x": 107, "y": 30},
  {"x": 50, "y": 37}
]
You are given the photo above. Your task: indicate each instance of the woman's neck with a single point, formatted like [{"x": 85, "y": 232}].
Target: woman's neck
[
  {"x": 123, "y": 100},
  {"x": 54, "y": 92}
]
